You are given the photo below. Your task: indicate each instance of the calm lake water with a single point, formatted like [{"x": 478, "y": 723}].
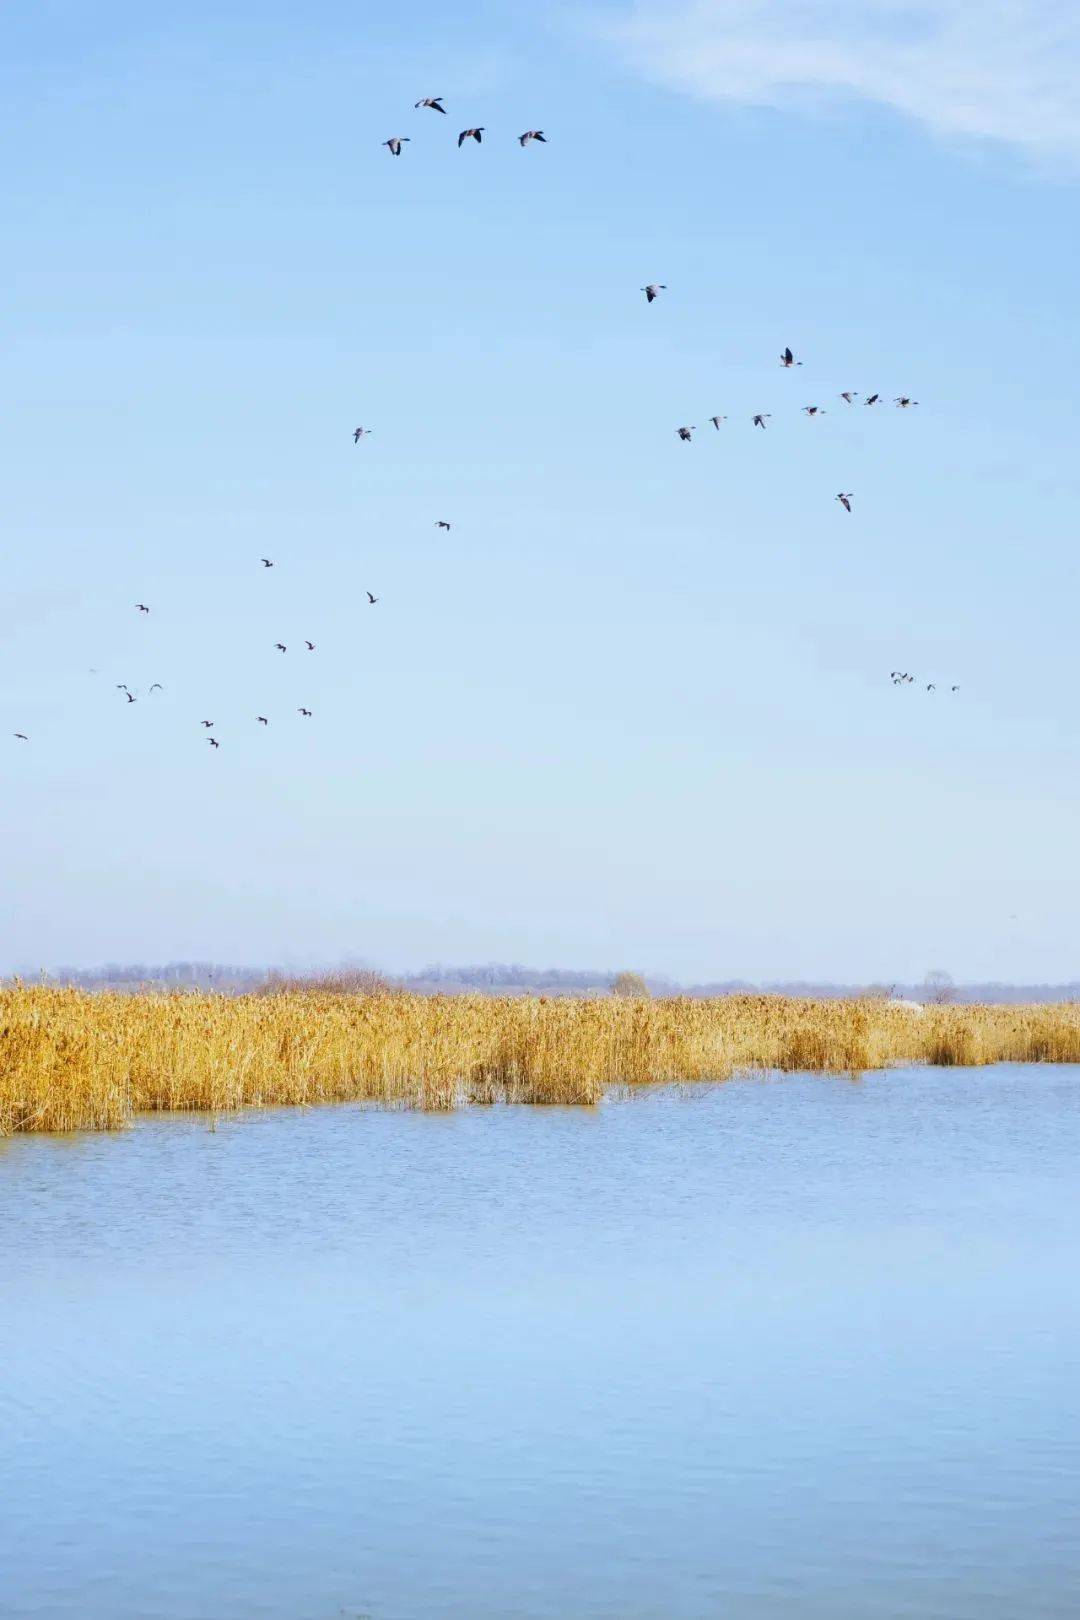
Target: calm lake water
[{"x": 789, "y": 1347}]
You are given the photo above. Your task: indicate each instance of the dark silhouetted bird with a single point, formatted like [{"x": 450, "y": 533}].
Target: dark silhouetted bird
[
  {"x": 653, "y": 290},
  {"x": 846, "y": 500},
  {"x": 434, "y": 102},
  {"x": 281, "y": 647},
  {"x": 206, "y": 723},
  {"x": 157, "y": 687},
  {"x": 261, "y": 718},
  {"x": 787, "y": 360},
  {"x": 813, "y": 410},
  {"x": 266, "y": 562},
  {"x": 360, "y": 433},
  {"x": 684, "y": 433},
  {"x": 474, "y": 133},
  {"x": 533, "y": 135},
  {"x": 931, "y": 687},
  {"x": 131, "y": 697},
  {"x": 716, "y": 421},
  {"x": 22, "y": 736},
  {"x": 304, "y": 711},
  {"x": 213, "y": 742},
  {"x": 904, "y": 402},
  {"x": 441, "y": 523},
  {"x": 310, "y": 645},
  {"x": 849, "y": 397},
  {"x": 142, "y": 607},
  {"x": 396, "y": 142},
  {"x": 871, "y": 399},
  {"x": 761, "y": 418},
  {"x": 371, "y": 599}
]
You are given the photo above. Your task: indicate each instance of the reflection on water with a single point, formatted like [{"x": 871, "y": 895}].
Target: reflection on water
[{"x": 792, "y": 1347}]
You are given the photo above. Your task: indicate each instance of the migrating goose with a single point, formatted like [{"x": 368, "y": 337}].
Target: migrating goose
[
  {"x": 281, "y": 647},
  {"x": 371, "y": 599},
  {"x": 360, "y": 433},
  {"x": 213, "y": 742},
  {"x": 787, "y": 360},
  {"x": 142, "y": 607},
  {"x": 846, "y": 500},
  {"x": 131, "y": 697},
  {"x": 396, "y": 142},
  {"x": 904, "y": 402},
  {"x": 261, "y": 718},
  {"x": 22, "y": 736},
  {"x": 849, "y": 396},
  {"x": 813, "y": 410},
  {"x": 475, "y": 133},
  {"x": 872, "y": 399},
  {"x": 684, "y": 433},
  {"x": 434, "y": 102},
  {"x": 653, "y": 290},
  {"x": 441, "y": 523},
  {"x": 120, "y": 686},
  {"x": 761, "y": 418},
  {"x": 304, "y": 711},
  {"x": 716, "y": 421},
  {"x": 266, "y": 562},
  {"x": 206, "y": 723},
  {"x": 533, "y": 135},
  {"x": 310, "y": 645}
]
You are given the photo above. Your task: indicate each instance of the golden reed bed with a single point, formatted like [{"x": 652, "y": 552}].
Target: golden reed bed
[{"x": 70, "y": 1060}]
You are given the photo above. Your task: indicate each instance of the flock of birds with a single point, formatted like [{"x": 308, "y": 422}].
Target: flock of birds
[{"x": 652, "y": 291}]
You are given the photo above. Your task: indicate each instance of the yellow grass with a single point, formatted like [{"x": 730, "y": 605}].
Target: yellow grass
[{"x": 71, "y": 1060}]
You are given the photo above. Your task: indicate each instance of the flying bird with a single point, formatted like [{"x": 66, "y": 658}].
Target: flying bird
[
  {"x": 142, "y": 607},
  {"x": 281, "y": 647},
  {"x": 931, "y": 687},
  {"x": 849, "y": 397},
  {"x": 813, "y": 410},
  {"x": 441, "y": 523},
  {"x": 533, "y": 135},
  {"x": 872, "y": 399},
  {"x": 761, "y": 418},
  {"x": 371, "y": 599},
  {"x": 653, "y": 290},
  {"x": 904, "y": 402},
  {"x": 266, "y": 562},
  {"x": 475, "y": 133},
  {"x": 304, "y": 711},
  {"x": 157, "y": 687},
  {"x": 213, "y": 742},
  {"x": 310, "y": 645},
  {"x": 954, "y": 689},
  {"x": 22, "y": 736},
  {"x": 787, "y": 360},
  {"x": 360, "y": 433},
  {"x": 131, "y": 697},
  {"x": 846, "y": 500},
  {"x": 684, "y": 433},
  {"x": 716, "y": 421},
  {"x": 261, "y": 718},
  {"x": 120, "y": 687},
  {"x": 206, "y": 723},
  {"x": 434, "y": 102},
  {"x": 396, "y": 142}
]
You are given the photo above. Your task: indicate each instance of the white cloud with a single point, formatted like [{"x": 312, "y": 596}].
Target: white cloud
[{"x": 1006, "y": 70}]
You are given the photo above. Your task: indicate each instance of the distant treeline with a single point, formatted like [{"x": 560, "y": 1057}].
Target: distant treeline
[{"x": 511, "y": 978}]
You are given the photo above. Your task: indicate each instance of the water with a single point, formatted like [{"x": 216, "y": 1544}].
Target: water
[{"x": 785, "y": 1347}]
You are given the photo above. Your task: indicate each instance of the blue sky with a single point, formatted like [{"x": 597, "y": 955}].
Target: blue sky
[{"x": 635, "y": 709}]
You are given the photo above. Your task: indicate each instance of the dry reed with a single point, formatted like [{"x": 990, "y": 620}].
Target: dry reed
[{"x": 73, "y": 1060}]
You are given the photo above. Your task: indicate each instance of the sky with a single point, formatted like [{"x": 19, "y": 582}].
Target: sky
[{"x": 635, "y": 709}]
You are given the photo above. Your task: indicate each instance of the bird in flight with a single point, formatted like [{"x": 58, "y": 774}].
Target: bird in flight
[
  {"x": 684, "y": 433},
  {"x": 441, "y": 523},
  {"x": 206, "y": 723},
  {"x": 904, "y": 402},
  {"x": 849, "y": 396},
  {"x": 396, "y": 142},
  {"x": 475, "y": 133},
  {"x": 931, "y": 687},
  {"x": 142, "y": 607},
  {"x": 954, "y": 689},
  {"x": 261, "y": 718},
  {"x": 716, "y": 421},
  {"x": 360, "y": 433},
  {"x": 434, "y": 102},
  {"x": 371, "y": 599},
  {"x": 266, "y": 562},
  {"x": 787, "y": 360},
  {"x": 813, "y": 410},
  {"x": 213, "y": 742},
  {"x": 310, "y": 645},
  {"x": 871, "y": 399},
  {"x": 304, "y": 711},
  {"x": 653, "y": 290},
  {"x": 281, "y": 647},
  {"x": 131, "y": 697},
  {"x": 22, "y": 736},
  {"x": 120, "y": 687},
  {"x": 157, "y": 687},
  {"x": 761, "y": 418},
  {"x": 533, "y": 135},
  {"x": 846, "y": 500}
]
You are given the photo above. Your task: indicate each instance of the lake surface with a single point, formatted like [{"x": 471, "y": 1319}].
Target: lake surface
[{"x": 790, "y": 1347}]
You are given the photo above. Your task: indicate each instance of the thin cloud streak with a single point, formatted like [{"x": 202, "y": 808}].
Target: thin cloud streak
[{"x": 1004, "y": 70}]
